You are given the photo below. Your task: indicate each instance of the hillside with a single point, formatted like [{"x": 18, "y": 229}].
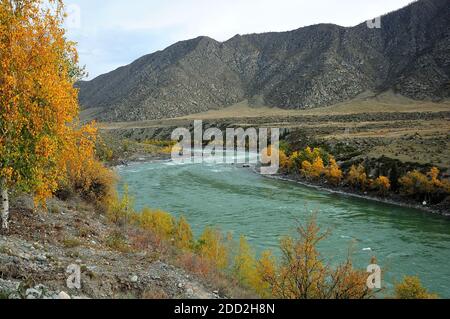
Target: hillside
[
  {"x": 310, "y": 67},
  {"x": 35, "y": 255}
]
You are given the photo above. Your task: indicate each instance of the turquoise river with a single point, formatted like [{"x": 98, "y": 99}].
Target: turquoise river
[{"x": 237, "y": 200}]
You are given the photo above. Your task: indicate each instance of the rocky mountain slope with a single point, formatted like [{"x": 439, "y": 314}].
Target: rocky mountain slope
[{"x": 310, "y": 67}]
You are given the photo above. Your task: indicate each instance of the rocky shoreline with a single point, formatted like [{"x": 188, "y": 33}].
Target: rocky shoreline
[
  {"x": 392, "y": 199},
  {"x": 346, "y": 191}
]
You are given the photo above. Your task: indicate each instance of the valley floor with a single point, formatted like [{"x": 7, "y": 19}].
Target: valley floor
[
  {"x": 381, "y": 130},
  {"x": 386, "y": 125}
]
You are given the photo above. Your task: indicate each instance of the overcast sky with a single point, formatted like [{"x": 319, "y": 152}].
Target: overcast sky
[{"x": 112, "y": 33}]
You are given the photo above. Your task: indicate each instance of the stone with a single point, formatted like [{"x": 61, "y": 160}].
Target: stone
[
  {"x": 134, "y": 279},
  {"x": 41, "y": 258},
  {"x": 32, "y": 293},
  {"x": 64, "y": 295}
]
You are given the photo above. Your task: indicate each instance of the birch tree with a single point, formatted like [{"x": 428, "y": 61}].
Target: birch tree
[{"x": 38, "y": 103}]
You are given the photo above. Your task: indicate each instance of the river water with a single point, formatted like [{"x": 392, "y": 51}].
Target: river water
[{"x": 235, "y": 199}]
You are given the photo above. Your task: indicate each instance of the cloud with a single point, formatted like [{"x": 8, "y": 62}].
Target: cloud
[{"x": 115, "y": 32}]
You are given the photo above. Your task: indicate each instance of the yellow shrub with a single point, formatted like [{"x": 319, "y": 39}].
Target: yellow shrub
[
  {"x": 285, "y": 161},
  {"x": 317, "y": 168},
  {"x": 411, "y": 288},
  {"x": 415, "y": 183},
  {"x": 244, "y": 268},
  {"x": 294, "y": 161},
  {"x": 357, "y": 177},
  {"x": 161, "y": 223},
  {"x": 306, "y": 168},
  {"x": 314, "y": 170},
  {"x": 425, "y": 186},
  {"x": 212, "y": 247},
  {"x": 433, "y": 174},
  {"x": 103, "y": 151},
  {"x": 170, "y": 149},
  {"x": 183, "y": 234},
  {"x": 302, "y": 274},
  {"x": 266, "y": 271},
  {"x": 382, "y": 184},
  {"x": 334, "y": 172},
  {"x": 90, "y": 179},
  {"x": 120, "y": 210}
]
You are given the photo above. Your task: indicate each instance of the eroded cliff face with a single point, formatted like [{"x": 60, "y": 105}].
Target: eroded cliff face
[{"x": 310, "y": 67}]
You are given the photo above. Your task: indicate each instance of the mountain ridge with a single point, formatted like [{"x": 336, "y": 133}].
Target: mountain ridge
[{"x": 314, "y": 66}]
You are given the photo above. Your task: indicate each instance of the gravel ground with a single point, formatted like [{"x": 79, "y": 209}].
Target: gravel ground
[{"x": 37, "y": 251}]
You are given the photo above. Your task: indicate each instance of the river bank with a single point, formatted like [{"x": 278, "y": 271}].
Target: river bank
[
  {"x": 392, "y": 199},
  {"x": 240, "y": 202},
  {"x": 442, "y": 209},
  {"x": 40, "y": 247}
]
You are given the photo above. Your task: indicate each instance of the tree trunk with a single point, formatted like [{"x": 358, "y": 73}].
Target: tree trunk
[{"x": 4, "y": 204}]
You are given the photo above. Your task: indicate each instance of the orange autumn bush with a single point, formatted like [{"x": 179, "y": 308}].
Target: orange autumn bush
[
  {"x": 411, "y": 288},
  {"x": 426, "y": 187},
  {"x": 39, "y": 104},
  {"x": 334, "y": 173},
  {"x": 85, "y": 175},
  {"x": 357, "y": 177},
  {"x": 183, "y": 236},
  {"x": 285, "y": 162},
  {"x": 213, "y": 247},
  {"x": 157, "y": 221},
  {"x": 315, "y": 164},
  {"x": 303, "y": 274},
  {"x": 382, "y": 185}
]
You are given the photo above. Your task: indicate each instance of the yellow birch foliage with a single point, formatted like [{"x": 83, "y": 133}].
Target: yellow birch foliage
[
  {"x": 213, "y": 248},
  {"x": 317, "y": 168},
  {"x": 357, "y": 176},
  {"x": 314, "y": 170},
  {"x": 294, "y": 161},
  {"x": 38, "y": 103},
  {"x": 306, "y": 168},
  {"x": 411, "y": 288},
  {"x": 417, "y": 183},
  {"x": 251, "y": 273},
  {"x": 120, "y": 210},
  {"x": 85, "y": 175},
  {"x": 266, "y": 271},
  {"x": 159, "y": 222},
  {"x": 302, "y": 274},
  {"x": 433, "y": 174},
  {"x": 382, "y": 184},
  {"x": 244, "y": 263},
  {"x": 334, "y": 172},
  {"x": 183, "y": 235},
  {"x": 285, "y": 162}
]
